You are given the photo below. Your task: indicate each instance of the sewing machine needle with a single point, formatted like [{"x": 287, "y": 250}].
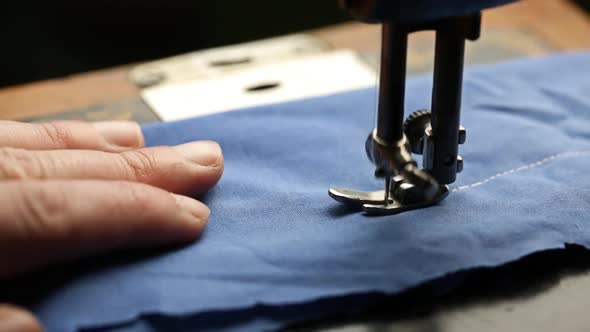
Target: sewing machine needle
[{"x": 387, "y": 190}]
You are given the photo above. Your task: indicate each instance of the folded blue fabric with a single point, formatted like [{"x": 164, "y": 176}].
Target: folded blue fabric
[{"x": 277, "y": 242}]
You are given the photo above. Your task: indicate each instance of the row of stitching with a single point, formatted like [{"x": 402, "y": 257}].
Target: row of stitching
[{"x": 539, "y": 163}]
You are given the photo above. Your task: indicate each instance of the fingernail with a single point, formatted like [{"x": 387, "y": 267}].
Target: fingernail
[
  {"x": 204, "y": 153},
  {"x": 122, "y": 133},
  {"x": 18, "y": 321},
  {"x": 195, "y": 208}
]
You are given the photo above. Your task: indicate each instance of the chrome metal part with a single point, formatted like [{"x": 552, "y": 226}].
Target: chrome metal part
[
  {"x": 435, "y": 134},
  {"x": 396, "y": 207},
  {"x": 406, "y": 186},
  {"x": 377, "y": 203},
  {"x": 459, "y": 164}
]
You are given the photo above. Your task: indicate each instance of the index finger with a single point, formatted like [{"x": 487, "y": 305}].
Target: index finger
[{"x": 110, "y": 136}]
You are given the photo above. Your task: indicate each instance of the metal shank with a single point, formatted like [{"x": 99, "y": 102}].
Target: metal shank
[
  {"x": 388, "y": 147},
  {"x": 446, "y": 94},
  {"x": 392, "y": 84}
]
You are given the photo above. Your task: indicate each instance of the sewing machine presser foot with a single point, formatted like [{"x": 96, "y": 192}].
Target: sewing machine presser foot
[{"x": 400, "y": 197}]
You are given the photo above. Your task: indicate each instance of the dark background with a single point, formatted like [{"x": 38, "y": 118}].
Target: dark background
[
  {"x": 46, "y": 39},
  {"x": 43, "y": 39}
]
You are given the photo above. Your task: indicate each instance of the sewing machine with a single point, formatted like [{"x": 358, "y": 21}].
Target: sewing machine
[{"x": 435, "y": 134}]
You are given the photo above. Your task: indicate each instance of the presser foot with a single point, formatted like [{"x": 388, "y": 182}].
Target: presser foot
[{"x": 402, "y": 197}]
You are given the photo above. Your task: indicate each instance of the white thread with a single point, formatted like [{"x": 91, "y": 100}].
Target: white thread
[{"x": 524, "y": 168}]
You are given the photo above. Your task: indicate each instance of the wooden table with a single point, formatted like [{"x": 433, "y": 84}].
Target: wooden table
[{"x": 555, "y": 23}]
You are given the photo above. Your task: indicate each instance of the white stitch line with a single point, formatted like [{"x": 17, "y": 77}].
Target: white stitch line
[{"x": 524, "y": 168}]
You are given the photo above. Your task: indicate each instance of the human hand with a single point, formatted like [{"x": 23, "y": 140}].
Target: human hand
[{"x": 75, "y": 189}]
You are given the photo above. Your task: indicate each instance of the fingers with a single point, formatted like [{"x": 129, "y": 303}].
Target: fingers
[
  {"x": 44, "y": 222},
  {"x": 13, "y": 319},
  {"x": 114, "y": 136},
  {"x": 191, "y": 168}
]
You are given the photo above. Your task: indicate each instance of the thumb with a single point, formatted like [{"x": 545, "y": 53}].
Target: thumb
[{"x": 13, "y": 319}]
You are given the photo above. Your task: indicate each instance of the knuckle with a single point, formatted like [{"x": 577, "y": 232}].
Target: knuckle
[
  {"x": 20, "y": 164},
  {"x": 58, "y": 135},
  {"x": 44, "y": 211},
  {"x": 141, "y": 165},
  {"x": 140, "y": 198}
]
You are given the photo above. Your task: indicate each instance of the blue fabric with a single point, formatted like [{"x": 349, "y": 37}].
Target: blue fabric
[{"x": 278, "y": 249}]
